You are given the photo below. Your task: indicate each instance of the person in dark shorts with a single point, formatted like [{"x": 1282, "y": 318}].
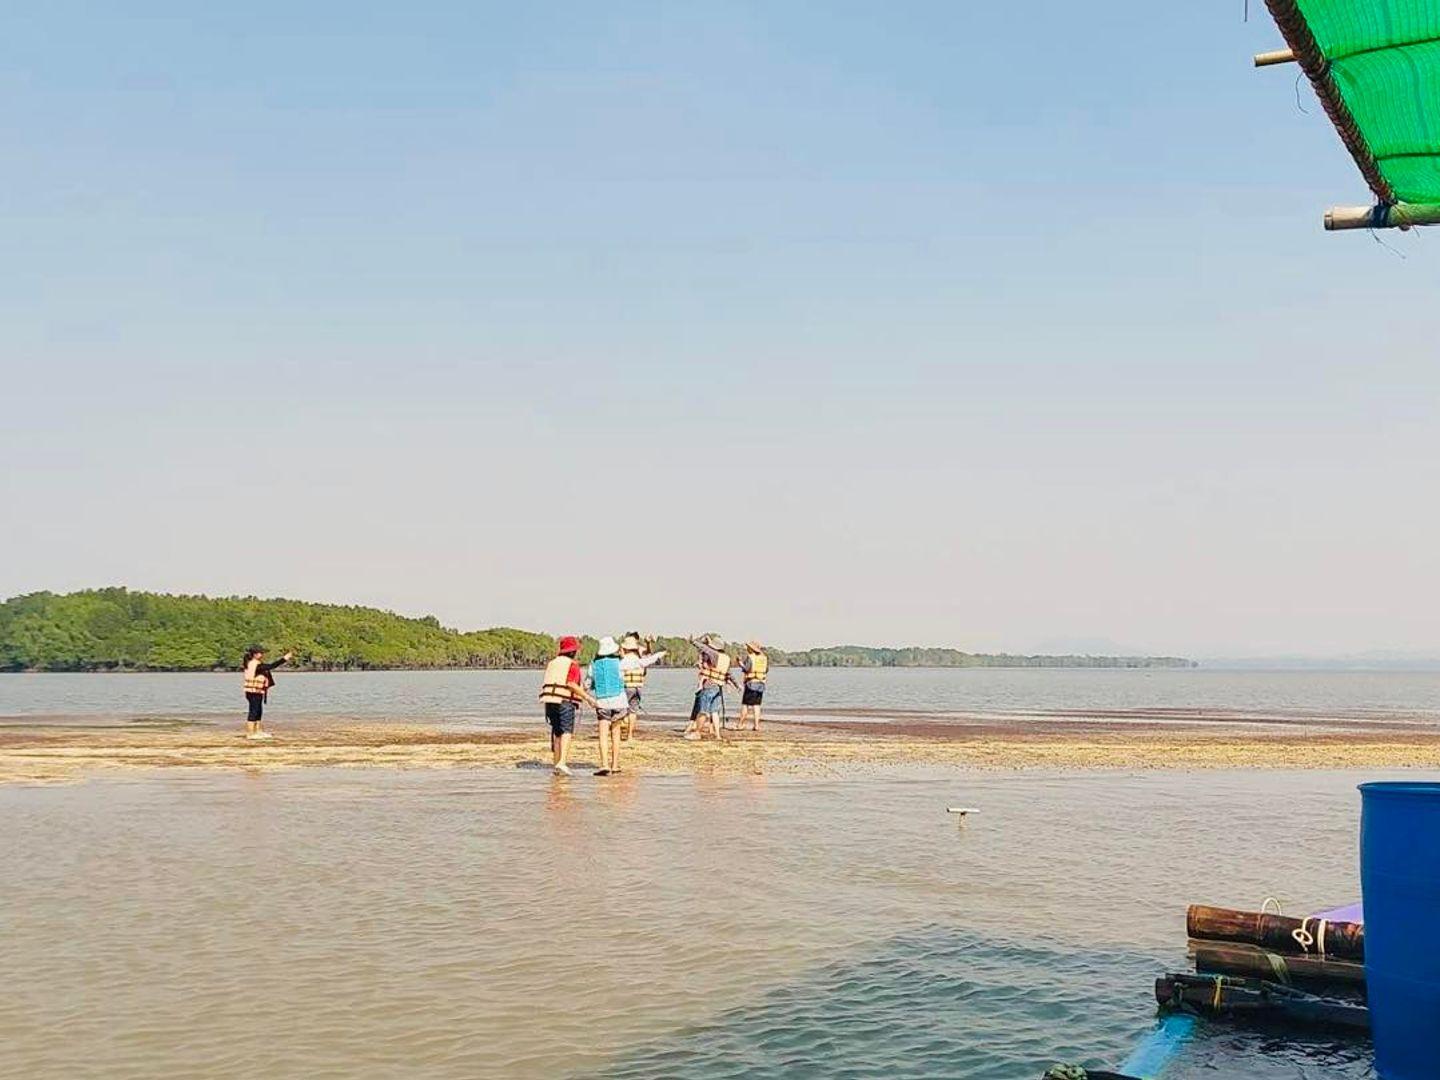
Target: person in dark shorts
[
  {"x": 756, "y": 666},
  {"x": 259, "y": 677},
  {"x": 560, "y": 692}
]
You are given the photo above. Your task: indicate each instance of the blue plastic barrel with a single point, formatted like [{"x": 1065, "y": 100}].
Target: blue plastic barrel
[{"x": 1400, "y": 877}]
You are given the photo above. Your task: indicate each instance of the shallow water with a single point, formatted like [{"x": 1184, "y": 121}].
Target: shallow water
[
  {"x": 503, "y": 698},
  {"x": 375, "y": 923}
]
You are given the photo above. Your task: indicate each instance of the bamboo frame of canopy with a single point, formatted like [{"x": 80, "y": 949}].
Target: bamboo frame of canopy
[{"x": 1389, "y": 212}]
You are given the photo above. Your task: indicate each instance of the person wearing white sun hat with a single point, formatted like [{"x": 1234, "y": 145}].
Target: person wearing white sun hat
[
  {"x": 635, "y": 660},
  {"x": 611, "y": 704}
]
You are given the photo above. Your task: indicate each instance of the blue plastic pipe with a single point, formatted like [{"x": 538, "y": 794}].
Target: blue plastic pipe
[{"x": 1159, "y": 1048}]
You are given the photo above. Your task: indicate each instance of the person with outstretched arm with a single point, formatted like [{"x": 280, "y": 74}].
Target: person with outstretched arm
[
  {"x": 713, "y": 666},
  {"x": 259, "y": 677},
  {"x": 636, "y": 659}
]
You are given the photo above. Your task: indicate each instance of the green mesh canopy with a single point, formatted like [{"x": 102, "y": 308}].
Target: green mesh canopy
[{"x": 1376, "y": 66}]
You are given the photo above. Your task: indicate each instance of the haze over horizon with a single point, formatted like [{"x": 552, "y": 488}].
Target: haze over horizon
[{"x": 349, "y": 305}]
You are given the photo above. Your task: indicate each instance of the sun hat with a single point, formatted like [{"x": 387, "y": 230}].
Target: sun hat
[
  {"x": 607, "y": 647},
  {"x": 754, "y": 646},
  {"x": 630, "y": 643},
  {"x": 569, "y": 643}
]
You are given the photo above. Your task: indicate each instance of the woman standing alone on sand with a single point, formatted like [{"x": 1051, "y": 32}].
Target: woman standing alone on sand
[{"x": 258, "y": 680}]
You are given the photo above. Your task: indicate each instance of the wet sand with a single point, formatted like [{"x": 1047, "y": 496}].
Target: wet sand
[{"x": 70, "y": 749}]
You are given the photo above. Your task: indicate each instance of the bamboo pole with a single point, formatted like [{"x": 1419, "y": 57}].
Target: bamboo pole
[
  {"x": 1343, "y": 940},
  {"x": 1399, "y": 216},
  {"x": 1221, "y": 995},
  {"x": 1226, "y": 958},
  {"x": 1277, "y": 56},
  {"x": 1296, "y": 31}
]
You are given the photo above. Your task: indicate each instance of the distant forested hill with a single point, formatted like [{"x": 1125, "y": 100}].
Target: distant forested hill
[
  {"x": 860, "y": 656},
  {"x": 119, "y": 630}
]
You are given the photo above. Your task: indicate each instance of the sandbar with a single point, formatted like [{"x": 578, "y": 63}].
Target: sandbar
[{"x": 57, "y": 751}]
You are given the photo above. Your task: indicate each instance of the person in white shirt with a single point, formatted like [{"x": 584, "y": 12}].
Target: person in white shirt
[{"x": 635, "y": 660}]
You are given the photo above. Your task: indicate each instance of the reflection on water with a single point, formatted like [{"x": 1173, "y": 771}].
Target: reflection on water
[{"x": 511, "y": 924}]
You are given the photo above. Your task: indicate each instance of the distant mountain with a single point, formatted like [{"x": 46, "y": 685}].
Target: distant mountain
[{"x": 119, "y": 630}]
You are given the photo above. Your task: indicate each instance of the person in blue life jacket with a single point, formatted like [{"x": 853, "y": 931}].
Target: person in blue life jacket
[{"x": 612, "y": 706}]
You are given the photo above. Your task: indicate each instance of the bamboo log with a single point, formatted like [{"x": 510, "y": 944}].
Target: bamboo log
[
  {"x": 1344, "y": 940},
  {"x": 1399, "y": 216},
  {"x": 1217, "y": 995},
  {"x": 1229, "y": 959},
  {"x": 1278, "y": 56}
]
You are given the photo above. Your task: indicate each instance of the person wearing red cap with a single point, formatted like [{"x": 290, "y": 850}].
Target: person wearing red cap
[{"x": 561, "y": 691}]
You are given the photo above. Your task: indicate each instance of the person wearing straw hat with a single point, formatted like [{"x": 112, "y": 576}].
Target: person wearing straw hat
[
  {"x": 713, "y": 664},
  {"x": 612, "y": 706},
  {"x": 635, "y": 660},
  {"x": 756, "y": 666}
]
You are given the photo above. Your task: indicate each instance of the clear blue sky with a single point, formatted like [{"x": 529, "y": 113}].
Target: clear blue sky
[{"x": 973, "y": 324}]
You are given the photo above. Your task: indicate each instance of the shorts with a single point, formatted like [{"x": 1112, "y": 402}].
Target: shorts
[
  {"x": 611, "y": 716},
  {"x": 708, "y": 700},
  {"x": 753, "y": 694},
  {"x": 632, "y": 695},
  {"x": 257, "y": 708},
  {"x": 561, "y": 715}
]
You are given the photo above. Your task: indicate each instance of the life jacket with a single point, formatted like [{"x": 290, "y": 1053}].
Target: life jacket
[
  {"x": 759, "y": 668},
  {"x": 556, "y": 688},
  {"x": 717, "y": 673},
  {"x": 605, "y": 674},
  {"x": 634, "y": 676},
  {"x": 256, "y": 681}
]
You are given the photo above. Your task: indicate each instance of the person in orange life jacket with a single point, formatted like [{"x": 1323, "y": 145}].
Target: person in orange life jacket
[
  {"x": 635, "y": 660},
  {"x": 561, "y": 691},
  {"x": 259, "y": 677},
  {"x": 612, "y": 705},
  {"x": 713, "y": 665},
  {"x": 756, "y": 666}
]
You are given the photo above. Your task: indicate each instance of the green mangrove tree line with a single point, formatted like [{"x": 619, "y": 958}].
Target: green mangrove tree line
[{"x": 119, "y": 630}]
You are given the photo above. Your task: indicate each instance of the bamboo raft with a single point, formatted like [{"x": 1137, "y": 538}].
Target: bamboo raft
[{"x": 1247, "y": 965}]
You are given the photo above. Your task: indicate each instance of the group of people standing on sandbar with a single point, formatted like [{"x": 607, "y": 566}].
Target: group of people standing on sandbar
[
  {"x": 615, "y": 681},
  {"x": 613, "y": 686}
]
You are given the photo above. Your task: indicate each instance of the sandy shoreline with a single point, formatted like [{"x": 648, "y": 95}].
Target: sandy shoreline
[{"x": 59, "y": 752}]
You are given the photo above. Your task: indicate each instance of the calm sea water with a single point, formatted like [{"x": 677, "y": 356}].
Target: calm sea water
[
  {"x": 447, "y": 924},
  {"x": 505, "y": 698},
  {"x": 451, "y": 924}
]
